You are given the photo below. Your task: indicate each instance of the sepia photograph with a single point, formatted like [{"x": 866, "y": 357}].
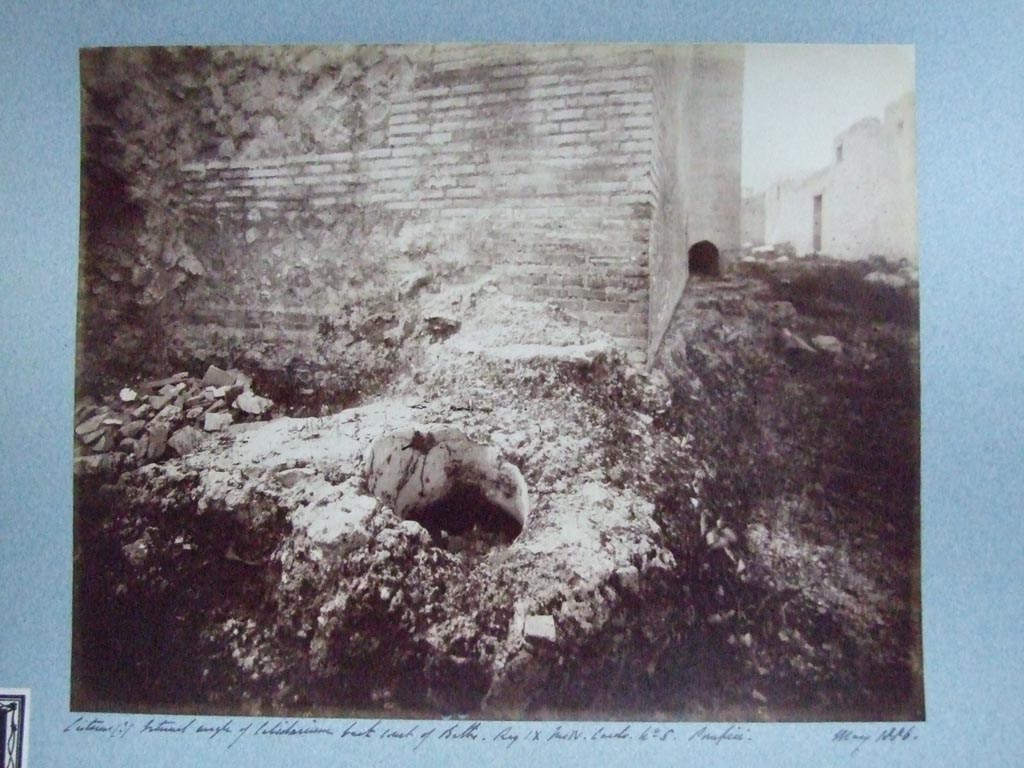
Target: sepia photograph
[{"x": 499, "y": 381}]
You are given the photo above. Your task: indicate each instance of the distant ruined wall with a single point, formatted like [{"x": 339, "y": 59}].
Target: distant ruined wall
[
  {"x": 789, "y": 211},
  {"x": 868, "y": 193}
]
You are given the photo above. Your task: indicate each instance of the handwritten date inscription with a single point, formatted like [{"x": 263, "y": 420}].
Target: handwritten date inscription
[{"x": 887, "y": 736}]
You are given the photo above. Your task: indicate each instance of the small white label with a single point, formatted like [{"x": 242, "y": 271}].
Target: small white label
[{"x": 14, "y": 727}]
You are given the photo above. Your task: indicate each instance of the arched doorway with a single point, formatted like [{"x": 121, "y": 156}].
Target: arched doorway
[{"x": 704, "y": 259}]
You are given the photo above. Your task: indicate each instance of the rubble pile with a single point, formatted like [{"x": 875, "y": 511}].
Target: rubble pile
[
  {"x": 470, "y": 600},
  {"x": 666, "y": 522},
  {"x": 160, "y": 418}
]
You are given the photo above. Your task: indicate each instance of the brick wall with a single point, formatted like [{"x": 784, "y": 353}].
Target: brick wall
[
  {"x": 531, "y": 162},
  {"x": 559, "y": 169}
]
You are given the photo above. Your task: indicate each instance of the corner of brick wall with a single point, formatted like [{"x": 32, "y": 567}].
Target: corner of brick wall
[{"x": 668, "y": 271}]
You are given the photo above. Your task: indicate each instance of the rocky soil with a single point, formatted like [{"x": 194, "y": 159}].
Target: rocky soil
[{"x": 731, "y": 535}]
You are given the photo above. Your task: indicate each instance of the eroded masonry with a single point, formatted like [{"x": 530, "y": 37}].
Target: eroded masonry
[
  {"x": 575, "y": 175},
  {"x": 361, "y": 425}
]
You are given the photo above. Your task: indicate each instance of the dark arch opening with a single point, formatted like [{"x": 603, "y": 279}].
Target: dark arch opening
[
  {"x": 466, "y": 520},
  {"x": 704, "y": 259}
]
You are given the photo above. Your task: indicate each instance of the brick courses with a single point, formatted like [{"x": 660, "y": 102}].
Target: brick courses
[{"x": 555, "y": 167}]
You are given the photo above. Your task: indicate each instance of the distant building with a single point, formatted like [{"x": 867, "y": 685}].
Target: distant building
[
  {"x": 864, "y": 203},
  {"x": 752, "y": 218}
]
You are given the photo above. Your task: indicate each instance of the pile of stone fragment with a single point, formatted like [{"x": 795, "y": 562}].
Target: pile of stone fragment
[{"x": 165, "y": 417}]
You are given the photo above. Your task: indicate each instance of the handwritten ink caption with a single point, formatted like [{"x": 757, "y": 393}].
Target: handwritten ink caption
[
  {"x": 229, "y": 732},
  {"x": 890, "y": 736}
]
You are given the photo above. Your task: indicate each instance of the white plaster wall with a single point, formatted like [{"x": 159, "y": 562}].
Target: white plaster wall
[
  {"x": 868, "y": 197},
  {"x": 713, "y": 118}
]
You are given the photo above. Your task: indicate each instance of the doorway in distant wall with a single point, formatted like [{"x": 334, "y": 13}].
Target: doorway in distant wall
[
  {"x": 817, "y": 224},
  {"x": 704, "y": 259}
]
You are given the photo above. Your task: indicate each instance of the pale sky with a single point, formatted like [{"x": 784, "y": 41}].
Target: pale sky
[{"x": 797, "y": 98}]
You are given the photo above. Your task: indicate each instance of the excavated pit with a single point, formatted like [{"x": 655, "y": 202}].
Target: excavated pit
[
  {"x": 462, "y": 492},
  {"x": 466, "y": 521}
]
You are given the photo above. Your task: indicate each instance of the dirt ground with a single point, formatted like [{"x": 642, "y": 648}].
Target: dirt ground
[
  {"x": 733, "y": 536},
  {"x": 813, "y": 456}
]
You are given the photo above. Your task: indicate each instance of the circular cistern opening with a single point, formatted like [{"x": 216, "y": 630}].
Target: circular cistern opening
[
  {"x": 467, "y": 497},
  {"x": 704, "y": 259}
]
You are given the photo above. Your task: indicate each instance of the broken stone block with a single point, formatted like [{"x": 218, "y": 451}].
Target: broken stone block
[
  {"x": 289, "y": 477},
  {"x": 539, "y": 627},
  {"x": 240, "y": 380},
  {"x": 172, "y": 389},
  {"x": 84, "y": 409},
  {"x": 194, "y": 413},
  {"x": 159, "y": 401},
  {"x": 215, "y": 422},
  {"x": 141, "y": 448},
  {"x": 157, "y": 383},
  {"x": 158, "y": 434},
  {"x": 169, "y": 414},
  {"x": 216, "y": 393},
  {"x": 141, "y": 411},
  {"x": 253, "y": 404},
  {"x": 217, "y": 377},
  {"x": 91, "y": 424},
  {"x": 128, "y": 445},
  {"x": 128, "y": 395},
  {"x": 185, "y": 440},
  {"x": 829, "y": 344},
  {"x": 106, "y": 442},
  {"x": 91, "y": 438},
  {"x": 96, "y": 464},
  {"x": 133, "y": 428}
]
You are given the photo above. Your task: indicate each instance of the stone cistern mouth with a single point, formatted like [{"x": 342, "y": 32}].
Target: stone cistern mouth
[{"x": 463, "y": 492}]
